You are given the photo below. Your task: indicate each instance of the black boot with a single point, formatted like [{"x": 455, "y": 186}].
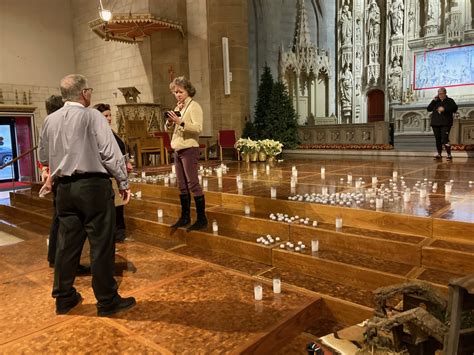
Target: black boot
[
  {"x": 448, "y": 151},
  {"x": 185, "y": 218},
  {"x": 201, "y": 222}
]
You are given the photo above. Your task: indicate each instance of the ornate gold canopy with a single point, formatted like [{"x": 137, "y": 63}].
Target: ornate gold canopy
[{"x": 132, "y": 28}]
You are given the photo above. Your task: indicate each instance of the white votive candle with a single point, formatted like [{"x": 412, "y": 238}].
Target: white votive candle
[
  {"x": 159, "y": 213},
  {"x": 374, "y": 180},
  {"x": 395, "y": 175},
  {"x": 338, "y": 222},
  {"x": 143, "y": 175},
  {"x": 314, "y": 245},
  {"x": 273, "y": 192},
  {"x": 358, "y": 183},
  {"x": 247, "y": 209},
  {"x": 448, "y": 187},
  {"x": 258, "y": 292},
  {"x": 173, "y": 169},
  {"x": 378, "y": 202},
  {"x": 215, "y": 227},
  {"x": 323, "y": 172},
  {"x": 276, "y": 285},
  {"x": 349, "y": 178}
]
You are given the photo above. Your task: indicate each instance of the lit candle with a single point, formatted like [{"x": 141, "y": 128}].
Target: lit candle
[
  {"x": 247, "y": 209},
  {"x": 358, "y": 184},
  {"x": 338, "y": 222},
  {"x": 276, "y": 284},
  {"x": 273, "y": 192},
  {"x": 173, "y": 169},
  {"x": 374, "y": 180},
  {"x": 448, "y": 187},
  {"x": 349, "y": 178},
  {"x": 215, "y": 227},
  {"x": 159, "y": 212},
  {"x": 323, "y": 172},
  {"x": 258, "y": 292},
  {"x": 395, "y": 175},
  {"x": 143, "y": 175},
  {"x": 378, "y": 202},
  {"x": 314, "y": 245},
  {"x": 219, "y": 172}
]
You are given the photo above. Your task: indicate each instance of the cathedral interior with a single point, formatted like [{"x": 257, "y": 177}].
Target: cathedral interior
[{"x": 352, "y": 240}]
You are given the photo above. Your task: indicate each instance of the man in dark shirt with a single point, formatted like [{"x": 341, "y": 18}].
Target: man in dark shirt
[
  {"x": 442, "y": 108},
  {"x": 81, "y": 152}
]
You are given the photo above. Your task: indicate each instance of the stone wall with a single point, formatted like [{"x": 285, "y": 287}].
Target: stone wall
[{"x": 228, "y": 19}]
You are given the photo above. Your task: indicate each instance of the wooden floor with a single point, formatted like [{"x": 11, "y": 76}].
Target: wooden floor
[{"x": 199, "y": 285}]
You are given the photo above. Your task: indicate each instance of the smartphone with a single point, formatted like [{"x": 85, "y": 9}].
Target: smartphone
[{"x": 177, "y": 113}]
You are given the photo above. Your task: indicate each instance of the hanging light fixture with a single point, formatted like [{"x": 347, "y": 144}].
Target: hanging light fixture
[{"x": 105, "y": 15}]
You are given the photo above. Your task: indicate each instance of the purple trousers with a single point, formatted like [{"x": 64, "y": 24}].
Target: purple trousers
[{"x": 186, "y": 163}]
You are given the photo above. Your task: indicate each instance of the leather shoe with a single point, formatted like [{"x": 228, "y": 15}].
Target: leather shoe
[
  {"x": 122, "y": 305},
  {"x": 64, "y": 309}
]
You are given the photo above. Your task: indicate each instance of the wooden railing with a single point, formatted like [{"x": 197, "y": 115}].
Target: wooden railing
[{"x": 13, "y": 161}]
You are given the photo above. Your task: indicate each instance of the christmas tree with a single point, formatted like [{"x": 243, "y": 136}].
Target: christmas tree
[
  {"x": 263, "y": 101},
  {"x": 281, "y": 119}
]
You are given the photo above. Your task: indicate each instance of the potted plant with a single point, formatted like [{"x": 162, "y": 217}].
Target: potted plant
[{"x": 271, "y": 148}]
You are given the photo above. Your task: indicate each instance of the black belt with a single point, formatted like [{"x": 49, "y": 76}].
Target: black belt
[{"x": 76, "y": 177}]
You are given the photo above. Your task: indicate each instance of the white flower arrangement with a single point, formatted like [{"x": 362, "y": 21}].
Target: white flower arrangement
[
  {"x": 271, "y": 147},
  {"x": 247, "y": 145}
]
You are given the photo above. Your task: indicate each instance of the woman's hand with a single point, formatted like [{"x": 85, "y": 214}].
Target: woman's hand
[{"x": 173, "y": 118}]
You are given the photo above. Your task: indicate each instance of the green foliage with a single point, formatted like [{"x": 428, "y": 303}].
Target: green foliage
[
  {"x": 281, "y": 118},
  {"x": 249, "y": 130},
  {"x": 263, "y": 101}
]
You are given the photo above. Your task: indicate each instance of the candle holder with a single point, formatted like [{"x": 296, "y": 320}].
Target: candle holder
[
  {"x": 166, "y": 180},
  {"x": 143, "y": 175},
  {"x": 205, "y": 183},
  {"x": 247, "y": 209},
  {"x": 292, "y": 182},
  {"x": 314, "y": 246},
  {"x": 276, "y": 284},
  {"x": 219, "y": 182},
  {"x": 448, "y": 187},
  {"x": 349, "y": 178},
  {"x": 173, "y": 169},
  {"x": 423, "y": 191},
  {"x": 258, "y": 291},
  {"x": 215, "y": 227},
  {"x": 395, "y": 175},
  {"x": 338, "y": 222},
  {"x": 323, "y": 172},
  {"x": 374, "y": 181},
  {"x": 159, "y": 213},
  {"x": 378, "y": 202},
  {"x": 358, "y": 184},
  {"x": 273, "y": 192}
]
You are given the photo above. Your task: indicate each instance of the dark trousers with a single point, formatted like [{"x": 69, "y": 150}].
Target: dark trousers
[
  {"x": 119, "y": 218},
  {"x": 441, "y": 134},
  {"x": 85, "y": 207},
  {"x": 186, "y": 162},
  {"x": 53, "y": 235}
]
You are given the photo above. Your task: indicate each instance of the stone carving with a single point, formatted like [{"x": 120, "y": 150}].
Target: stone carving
[
  {"x": 346, "y": 25},
  {"x": 321, "y": 136},
  {"x": 350, "y": 136},
  {"x": 345, "y": 88},
  {"x": 395, "y": 80},
  {"x": 366, "y": 136},
  {"x": 432, "y": 17},
  {"x": 335, "y": 136},
  {"x": 412, "y": 120},
  {"x": 396, "y": 13},
  {"x": 373, "y": 21}
]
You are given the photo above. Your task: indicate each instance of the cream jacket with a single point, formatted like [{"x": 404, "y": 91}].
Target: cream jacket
[{"x": 187, "y": 136}]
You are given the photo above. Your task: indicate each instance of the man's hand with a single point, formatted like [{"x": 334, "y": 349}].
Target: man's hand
[
  {"x": 126, "y": 194},
  {"x": 47, "y": 187},
  {"x": 45, "y": 173},
  {"x": 440, "y": 109}
]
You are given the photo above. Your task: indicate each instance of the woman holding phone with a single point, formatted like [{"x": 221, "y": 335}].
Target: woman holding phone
[{"x": 186, "y": 119}]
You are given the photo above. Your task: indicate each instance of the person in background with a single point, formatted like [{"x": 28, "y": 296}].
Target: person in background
[
  {"x": 54, "y": 103},
  {"x": 187, "y": 126},
  {"x": 442, "y": 108},
  {"x": 81, "y": 152},
  {"x": 119, "y": 205}
]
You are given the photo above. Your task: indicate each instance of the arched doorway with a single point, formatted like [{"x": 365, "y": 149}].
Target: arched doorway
[{"x": 375, "y": 106}]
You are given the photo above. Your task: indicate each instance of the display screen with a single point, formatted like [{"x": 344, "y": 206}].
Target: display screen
[{"x": 444, "y": 67}]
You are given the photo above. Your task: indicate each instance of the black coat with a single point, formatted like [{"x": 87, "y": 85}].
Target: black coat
[{"x": 444, "y": 118}]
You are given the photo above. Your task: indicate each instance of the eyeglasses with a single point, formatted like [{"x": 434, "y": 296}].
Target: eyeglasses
[{"x": 91, "y": 89}]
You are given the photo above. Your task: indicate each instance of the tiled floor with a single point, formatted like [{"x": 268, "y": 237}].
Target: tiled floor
[{"x": 185, "y": 305}]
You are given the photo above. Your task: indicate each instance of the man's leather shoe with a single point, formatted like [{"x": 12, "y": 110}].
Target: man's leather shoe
[
  {"x": 122, "y": 305},
  {"x": 64, "y": 309}
]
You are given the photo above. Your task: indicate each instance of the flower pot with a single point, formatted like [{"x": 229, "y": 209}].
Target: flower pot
[
  {"x": 245, "y": 157},
  {"x": 254, "y": 156},
  {"x": 262, "y": 156}
]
